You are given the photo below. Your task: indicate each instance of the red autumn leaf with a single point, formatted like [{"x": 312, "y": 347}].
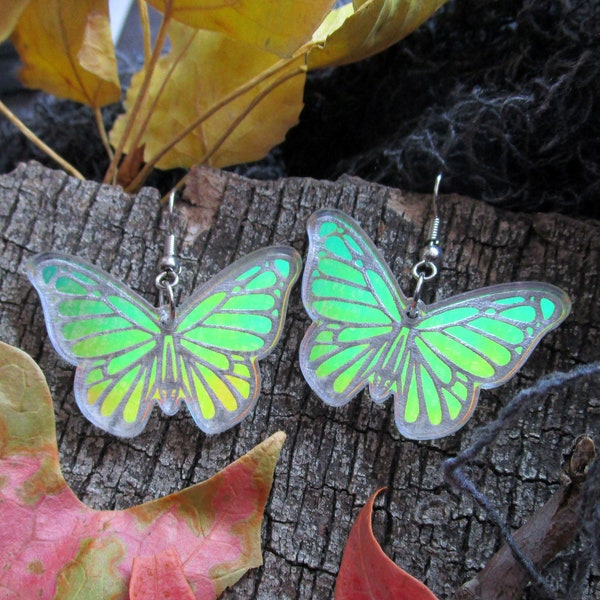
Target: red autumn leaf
[
  {"x": 53, "y": 546},
  {"x": 367, "y": 573}
]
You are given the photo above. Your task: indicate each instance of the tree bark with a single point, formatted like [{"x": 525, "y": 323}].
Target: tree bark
[{"x": 334, "y": 459}]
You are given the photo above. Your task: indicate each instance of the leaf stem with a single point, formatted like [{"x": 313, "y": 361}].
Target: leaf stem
[
  {"x": 256, "y": 100},
  {"x": 148, "y": 72},
  {"x": 165, "y": 80},
  {"x": 69, "y": 168},
  {"x": 239, "y": 91},
  {"x": 102, "y": 131},
  {"x": 146, "y": 32}
]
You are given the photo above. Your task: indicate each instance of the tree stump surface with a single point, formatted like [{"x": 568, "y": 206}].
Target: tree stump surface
[{"x": 334, "y": 459}]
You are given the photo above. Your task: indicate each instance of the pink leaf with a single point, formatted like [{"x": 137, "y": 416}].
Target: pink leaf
[
  {"x": 53, "y": 546},
  {"x": 159, "y": 577}
]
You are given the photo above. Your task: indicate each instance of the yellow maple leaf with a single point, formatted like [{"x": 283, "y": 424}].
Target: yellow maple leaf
[
  {"x": 203, "y": 69},
  {"x": 280, "y": 27},
  {"x": 362, "y": 28},
  {"x": 10, "y": 11},
  {"x": 67, "y": 50}
]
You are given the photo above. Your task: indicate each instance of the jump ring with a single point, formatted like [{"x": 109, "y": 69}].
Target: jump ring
[
  {"x": 412, "y": 311},
  {"x": 425, "y": 269},
  {"x": 162, "y": 279}
]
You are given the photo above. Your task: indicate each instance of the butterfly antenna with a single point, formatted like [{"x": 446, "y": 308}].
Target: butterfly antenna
[{"x": 426, "y": 268}]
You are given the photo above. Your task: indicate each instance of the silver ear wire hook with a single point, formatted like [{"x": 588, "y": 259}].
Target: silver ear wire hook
[
  {"x": 169, "y": 267},
  {"x": 426, "y": 268}
]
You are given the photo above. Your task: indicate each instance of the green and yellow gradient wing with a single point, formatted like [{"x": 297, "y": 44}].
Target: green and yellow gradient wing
[
  {"x": 113, "y": 335},
  {"x": 433, "y": 364},
  {"x": 357, "y": 307},
  {"x": 226, "y": 327},
  {"x": 470, "y": 341}
]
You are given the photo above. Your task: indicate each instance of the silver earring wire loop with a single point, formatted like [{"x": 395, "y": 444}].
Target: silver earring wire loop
[
  {"x": 412, "y": 311},
  {"x": 166, "y": 287},
  {"x": 169, "y": 267},
  {"x": 426, "y": 268}
]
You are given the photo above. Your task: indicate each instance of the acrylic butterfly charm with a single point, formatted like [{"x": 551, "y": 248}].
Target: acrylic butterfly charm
[
  {"x": 130, "y": 357},
  {"x": 434, "y": 363}
]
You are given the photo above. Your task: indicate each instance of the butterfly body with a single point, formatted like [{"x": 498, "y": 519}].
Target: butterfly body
[
  {"x": 131, "y": 355},
  {"x": 434, "y": 363}
]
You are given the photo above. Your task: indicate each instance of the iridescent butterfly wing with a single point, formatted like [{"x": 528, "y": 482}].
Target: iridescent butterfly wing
[
  {"x": 129, "y": 357},
  {"x": 434, "y": 364},
  {"x": 225, "y": 328}
]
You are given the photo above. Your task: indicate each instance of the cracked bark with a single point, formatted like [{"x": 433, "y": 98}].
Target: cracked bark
[
  {"x": 551, "y": 529},
  {"x": 334, "y": 458}
]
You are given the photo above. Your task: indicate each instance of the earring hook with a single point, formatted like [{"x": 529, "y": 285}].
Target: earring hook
[
  {"x": 434, "y": 224},
  {"x": 171, "y": 209},
  {"x": 426, "y": 268},
  {"x": 169, "y": 267},
  {"x": 436, "y": 192}
]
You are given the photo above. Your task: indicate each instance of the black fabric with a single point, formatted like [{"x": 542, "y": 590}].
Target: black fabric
[{"x": 502, "y": 96}]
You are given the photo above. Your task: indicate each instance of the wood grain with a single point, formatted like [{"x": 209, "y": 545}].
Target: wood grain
[{"x": 334, "y": 458}]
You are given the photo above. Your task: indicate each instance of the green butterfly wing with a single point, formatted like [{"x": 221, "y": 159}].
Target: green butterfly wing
[
  {"x": 474, "y": 340},
  {"x": 356, "y": 305},
  {"x": 433, "y": 364},
  {"x": 113, "y": 335},
  {"x": 226, "y": 327}
]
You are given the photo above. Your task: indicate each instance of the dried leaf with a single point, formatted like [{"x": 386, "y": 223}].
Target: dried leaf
[
  {"x": 158, "y": 577},
  {"x": 55, "y": 546},
  {"x": 201, "y": 70},
  {"x": 10, "y": 11},
  {"x": 367, "y": 573},
  {"x": 67, "y": 50},
  {"x": 363, "y": 28},
  {"x": 279, "y": 27}
]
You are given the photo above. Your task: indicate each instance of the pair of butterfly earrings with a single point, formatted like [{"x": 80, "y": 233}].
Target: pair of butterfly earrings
[{"x": 433, "y": 358}]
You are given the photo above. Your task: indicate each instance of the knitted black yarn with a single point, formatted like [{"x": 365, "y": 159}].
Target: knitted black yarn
[{"x": 503, "y": 96}]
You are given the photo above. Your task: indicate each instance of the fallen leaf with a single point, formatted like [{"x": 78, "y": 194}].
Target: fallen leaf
[
  {"x": 67, "y": 50},
  {"x": 362, "y": 28},
  {"x": 367, "y": 573},
  {"x": 279, "y": 27},
  {"x": 159, "y": 577},
  {"x": 10, "y": 11},
  {"x": 54, "y": 546},
  {"x": 201, "y": 70}
]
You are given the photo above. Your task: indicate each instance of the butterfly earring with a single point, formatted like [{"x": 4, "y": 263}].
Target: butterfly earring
[
  {"x": 432, "y": 358},
  {"x": 131, "y": 355}
]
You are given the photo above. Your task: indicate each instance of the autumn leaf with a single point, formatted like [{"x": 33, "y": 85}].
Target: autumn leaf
[
  {"x": 366, "y": 573},
  {"x": 203, "y": 69},
  {"x": 362, "y": 28},
  {"x": 67, "y": 50},
  {"x": 278, "y": 27},
  {"x": 10, "y": 11},
  {"x": 54, "y": 546},
  {"x": 158, "y": 577}
]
